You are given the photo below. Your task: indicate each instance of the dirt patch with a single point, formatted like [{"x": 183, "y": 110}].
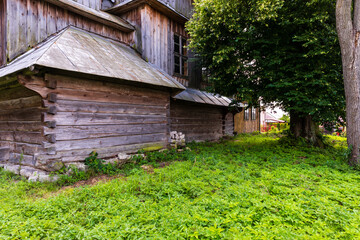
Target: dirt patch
[{"x": 89, "y": 182}]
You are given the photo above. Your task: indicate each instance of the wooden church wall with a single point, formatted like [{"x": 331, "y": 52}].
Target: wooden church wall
[
  {"x": 2, "y": 32},
  {"x": 154, "y": 37},
  {"x": 30, "y": 22},
  {"x": 94, "y": 4}
]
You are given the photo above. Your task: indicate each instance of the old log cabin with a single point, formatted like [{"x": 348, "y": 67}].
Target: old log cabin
[{"x": 103, "y": 75}]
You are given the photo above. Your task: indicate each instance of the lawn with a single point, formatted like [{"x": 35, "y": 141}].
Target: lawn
[{"x": 250, "y": 187}]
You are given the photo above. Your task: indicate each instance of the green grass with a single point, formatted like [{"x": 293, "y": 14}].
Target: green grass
[{"x": 252, "y": 187}]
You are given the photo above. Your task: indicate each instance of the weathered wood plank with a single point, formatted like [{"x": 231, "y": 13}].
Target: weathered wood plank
[
  {"x": 100, "y": 131},
  {"x": 69, "y": 94},
  {"x": 79, "y": 118},
  {"x": 30, "y": 22},
  {"x": 109, "y": 141},
  {"x": 21, "y": 137},
  {"x": 3, "y": 29},
  {"x": 32, "y": 19},
  {"x": 27, "y": 102},
  {"x": 26, "y": 148},
  {"x": 105, "y": 107},
  {"x": 83, "y": 85},
  {"x": 81, "y": 154},
  {"x": 27, "y": 114},
  {"x": 92, "y": 14},
  {"x": 24, "y": 160},
  {"x": 31, "y": 126}
]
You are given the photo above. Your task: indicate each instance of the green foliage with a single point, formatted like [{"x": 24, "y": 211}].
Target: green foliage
[
  {"x": 282, "y": 51},
  {"x": 285, "y": 118},
  {"x": 252, "y": 187},
  {"x": 94, "y": 162}
]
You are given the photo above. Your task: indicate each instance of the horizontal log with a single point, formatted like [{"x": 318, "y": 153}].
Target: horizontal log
[
  {"x": 109, "y": 141},
  {"x": 196, "y": 115},
  {"x": 27, "y": 102},
  {"x": 197, "y": 131},
  {"x": 27, "y": 114},
  {"x": 66, "y": 82},
  {"x": 22, "y": 137},
  {"x": 195, "y": 121},
  {"x": 31, "y": 80},
  {"x": 99, "y": 131},
  {"x": 77, "y": 95},
  {"x": 202, "y": 137},
  {"x": 22, "y": 159},
  {"x": 81, "y": 154},
  {"x": 31, "y": 126},
  {"x": 105, "y": 107},
  {"x": 15, "y": 93},
  {"x": 79, "y": 118},
  {"x": 26, "y": 148}
]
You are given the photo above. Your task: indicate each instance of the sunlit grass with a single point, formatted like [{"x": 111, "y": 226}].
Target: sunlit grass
[{"x": 252, "y": 187}]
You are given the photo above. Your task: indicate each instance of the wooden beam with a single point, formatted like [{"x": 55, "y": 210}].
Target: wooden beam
[
  {"x": 160, "y": 6},
  {"x": 93, "y": 14}
]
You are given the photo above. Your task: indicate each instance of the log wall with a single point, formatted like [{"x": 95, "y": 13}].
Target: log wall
[
  {"x": 246, "y": 126},
  {"x": 105, "y": 117},
  {"x": 30, "y": 22},
  {"x": 20, "y": 123},
  {"x": 200, "y": 122}
]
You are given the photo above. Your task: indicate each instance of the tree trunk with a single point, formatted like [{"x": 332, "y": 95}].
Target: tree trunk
[
  {"x": 304, "y": 126},
  {"x": 348, "y": 29}
]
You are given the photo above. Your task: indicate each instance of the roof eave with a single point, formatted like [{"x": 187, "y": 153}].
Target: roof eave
[
  {"x": 98, "y": 16},
  {"x": 158, "y": 5}
]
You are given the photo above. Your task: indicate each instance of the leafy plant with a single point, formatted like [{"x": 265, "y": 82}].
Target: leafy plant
[{"x": 249, "y": 187}]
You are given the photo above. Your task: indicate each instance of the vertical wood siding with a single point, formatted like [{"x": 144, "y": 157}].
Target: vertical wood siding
[
  {"x": 246, "y": 126},
  {"x": 32, "y": 21},
  {"x": 3, "y": 32},
  {"x": 20, "y": 123},
  {"x": 154, "y": 37},
  {"x": 200, "y": 122}
]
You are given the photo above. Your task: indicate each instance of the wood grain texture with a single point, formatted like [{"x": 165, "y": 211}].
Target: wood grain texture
[
  {"x": 200, "y": 122},
  {"x": 154, "y": 36},
  {"x": 31, "y": 22},
  {"x": 3, "y": 23},
  {"x": 99, "y": 115},
  {"x": 246, "y": 126},
  {"x": 20, "y": 123}
]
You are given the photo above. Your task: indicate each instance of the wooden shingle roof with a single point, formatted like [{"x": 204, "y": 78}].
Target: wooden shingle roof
[
  {"x": 197, "y": 96},
  {"x": 75, "y": 50}
]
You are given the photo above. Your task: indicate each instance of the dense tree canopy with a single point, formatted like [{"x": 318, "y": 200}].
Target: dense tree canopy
[{"x": 281, "y": 51}]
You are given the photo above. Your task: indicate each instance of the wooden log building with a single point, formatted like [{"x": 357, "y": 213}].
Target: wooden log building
[{"x": 106, "y": 75}]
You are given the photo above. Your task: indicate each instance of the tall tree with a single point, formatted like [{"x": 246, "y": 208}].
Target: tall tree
[
  {"x": 281, "y": 51},
  {"x": 348, "y": 28}
]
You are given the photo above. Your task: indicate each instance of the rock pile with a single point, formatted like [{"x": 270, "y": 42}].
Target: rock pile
[{"x": 177, "y": 139}]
